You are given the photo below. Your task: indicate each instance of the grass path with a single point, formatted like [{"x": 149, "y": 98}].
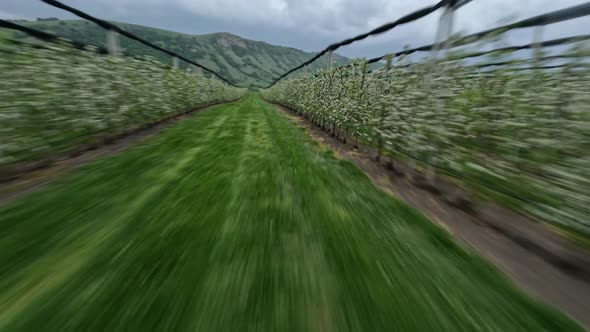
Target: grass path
[{"x": 235, "y": 220}]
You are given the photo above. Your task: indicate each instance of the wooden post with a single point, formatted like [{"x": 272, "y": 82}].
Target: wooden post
[
  {"x": 538, "y": 40},
  {"x": 444, "y": 32},
  {"x": 380, "y": 140},
  {"x": 329, "y": 61},
  {"x": 113, "y": 42}
]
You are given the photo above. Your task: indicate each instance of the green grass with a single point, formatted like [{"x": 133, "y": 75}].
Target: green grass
[{"x": 235, "y": 220}]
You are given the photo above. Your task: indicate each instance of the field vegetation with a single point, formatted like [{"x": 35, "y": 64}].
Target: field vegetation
[
  {"x": 236, "y": 220},
  {"x": 54, "y": 97},
  {"x": 517, "y": 131}
]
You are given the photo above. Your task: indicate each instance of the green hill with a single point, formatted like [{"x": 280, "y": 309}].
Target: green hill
[{"x": 247, "y": 62}]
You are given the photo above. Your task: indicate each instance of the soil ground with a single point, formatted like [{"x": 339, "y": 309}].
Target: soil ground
[{"x": 502, "y": 236}]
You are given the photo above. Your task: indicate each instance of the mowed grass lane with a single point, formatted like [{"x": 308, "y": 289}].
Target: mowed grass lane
[{"x": 235, "y": 220}]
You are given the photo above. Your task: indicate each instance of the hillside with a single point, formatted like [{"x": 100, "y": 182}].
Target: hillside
[{"x": 247, "y": 62}]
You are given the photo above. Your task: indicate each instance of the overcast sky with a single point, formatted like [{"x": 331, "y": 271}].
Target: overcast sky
[{"x": 305, "y": 24}]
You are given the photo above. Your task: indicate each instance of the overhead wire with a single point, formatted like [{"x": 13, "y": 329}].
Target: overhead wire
[
  {"x": 112, "y": 27},
  {"x": 48, "y": 37},
  {"x": 539, "y": 20},
  {"x": 416, "y": 15}
]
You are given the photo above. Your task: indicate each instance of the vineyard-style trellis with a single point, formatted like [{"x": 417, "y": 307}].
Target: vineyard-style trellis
[{"x": 514, "y": 127}]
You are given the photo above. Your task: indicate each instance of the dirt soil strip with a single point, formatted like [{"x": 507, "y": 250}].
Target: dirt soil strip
[
  {"x": 536, "y": 258},
  {"x": 34, "y": 178}
]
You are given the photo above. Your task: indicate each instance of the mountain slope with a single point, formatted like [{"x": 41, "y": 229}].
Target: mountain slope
[{"x": 246, "y": 62}]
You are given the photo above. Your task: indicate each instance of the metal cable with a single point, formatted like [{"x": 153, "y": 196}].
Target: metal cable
[
  {"x": 381, "y": 29},
  {"x": 109, "y": 26},
  {"x": 48, "y": 37},
  {"x": 549, "y": 18}
]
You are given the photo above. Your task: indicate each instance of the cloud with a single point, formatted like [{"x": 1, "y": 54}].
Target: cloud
[
  {"x": 346, "y": 17},
  {"x": 332, "y": 20},
  {"x": 10, "y": 16},
  {"x": 309, "y": 24},
  {"x": 253, "y": 11}
]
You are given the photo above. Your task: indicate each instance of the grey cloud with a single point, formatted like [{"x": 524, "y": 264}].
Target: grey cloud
[{"x": 304, "y": 24}]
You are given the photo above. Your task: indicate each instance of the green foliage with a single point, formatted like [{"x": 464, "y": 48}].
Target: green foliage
[
  {"x": 525, "y": 133},
  {"x": 54, "y": 97}
]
